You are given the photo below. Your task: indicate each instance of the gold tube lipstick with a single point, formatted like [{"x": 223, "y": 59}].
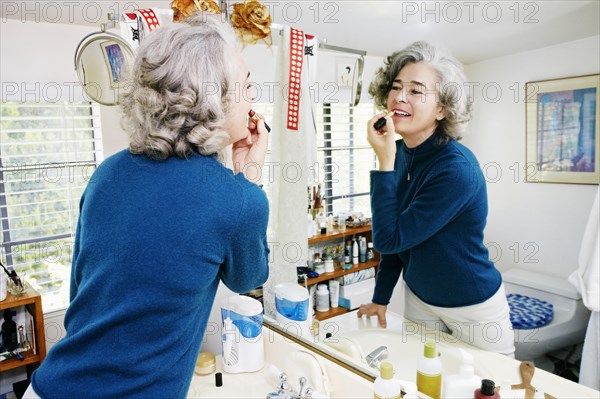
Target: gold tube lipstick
[
  {"x": 253, "y": 115},
  {"x": 381, "y": 121}
]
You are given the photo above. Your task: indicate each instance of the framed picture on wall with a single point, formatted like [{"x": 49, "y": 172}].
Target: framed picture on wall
[
  {"x": 562, "y": 130},
  {"x": 115, "y": 62}
]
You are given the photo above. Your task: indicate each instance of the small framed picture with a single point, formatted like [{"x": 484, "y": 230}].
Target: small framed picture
[
  {"x": 562, "y": 130},
  {"x": 344, "y": 71},
  {"x": 115, "y": 62}
]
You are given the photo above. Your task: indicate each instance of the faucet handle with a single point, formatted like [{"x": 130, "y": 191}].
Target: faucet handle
[{"x": 377, "y": 356}]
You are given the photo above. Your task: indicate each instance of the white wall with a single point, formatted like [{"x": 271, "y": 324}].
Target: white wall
[{"x": 544, "y": 221}]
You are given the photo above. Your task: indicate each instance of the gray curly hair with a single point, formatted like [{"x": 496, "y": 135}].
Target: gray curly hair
[
  {"x": 452, "y": 94},
  {"x": 177, "y": 101}
]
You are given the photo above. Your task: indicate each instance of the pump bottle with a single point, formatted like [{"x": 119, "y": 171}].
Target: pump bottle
[
  {"x": 463, "y": 384},
  {"x": 429, "y": 372}
]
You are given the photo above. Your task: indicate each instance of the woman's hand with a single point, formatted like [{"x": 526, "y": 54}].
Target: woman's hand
[
  {"x": 249, "y": 153},
  {"x": 374, "y": 309},
  {"x": 383, "y": 142}
]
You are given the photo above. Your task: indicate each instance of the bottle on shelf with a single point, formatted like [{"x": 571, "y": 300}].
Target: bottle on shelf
[
  {"x": 9, "y": 332},
  {"x": 370, "y": 252},
  {"x": 362, "y": 250},
  {"x": 355, "y": 252},
  {"x": 322, "y": 298}
]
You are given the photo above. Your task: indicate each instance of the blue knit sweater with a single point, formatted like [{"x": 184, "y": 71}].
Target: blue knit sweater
[
  {"x": 153, "y": 241},
  {"x": 432, "y": 226}
]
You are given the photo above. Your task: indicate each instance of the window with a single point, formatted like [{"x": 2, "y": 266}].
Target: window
[
  {"x": 344, "y": 156},
  {"x": 47, "y": 154}
]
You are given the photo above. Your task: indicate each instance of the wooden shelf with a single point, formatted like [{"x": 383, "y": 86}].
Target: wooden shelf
[
  {"x": 13, "y": 362},
  {"x": 331, "y": 313},
  {"x": 348, "y": 233},
  {"x": 33, "y": 301},
  {"x": 339, "y": 272}
]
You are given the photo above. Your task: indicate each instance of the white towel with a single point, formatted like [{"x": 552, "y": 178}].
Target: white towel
[
  {"x": 587, "y": 277},
  {"x": 587, "y": 281},
  {"x": 292, "y": 156}
]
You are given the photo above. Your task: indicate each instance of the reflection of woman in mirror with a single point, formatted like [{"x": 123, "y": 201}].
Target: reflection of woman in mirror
[
  {"x": 429, "y": 204},
  {"x": 163, "y": 222}
]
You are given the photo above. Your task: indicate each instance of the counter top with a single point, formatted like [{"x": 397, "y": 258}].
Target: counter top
[
  {"x": 490, "y": 365},
  {"x": 325, "y": 377}
]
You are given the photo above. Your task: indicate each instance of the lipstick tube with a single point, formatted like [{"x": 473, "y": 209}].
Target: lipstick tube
[
  {"x": 252, "y": 115},
  {"x": 381, "y": 121}
]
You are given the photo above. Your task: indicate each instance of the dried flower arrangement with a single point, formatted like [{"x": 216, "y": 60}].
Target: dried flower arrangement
[{"x": 250, "y": 19}]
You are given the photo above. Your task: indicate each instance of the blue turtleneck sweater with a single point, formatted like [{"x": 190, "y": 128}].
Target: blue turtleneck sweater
[
  {"x": 153, "y": 241},
  {"x": 431, "y": 226}
]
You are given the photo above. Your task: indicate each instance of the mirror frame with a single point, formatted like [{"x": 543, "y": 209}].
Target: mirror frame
[
  {"x": 357, "y": 80},
  {"x": 94, "y": 38}
]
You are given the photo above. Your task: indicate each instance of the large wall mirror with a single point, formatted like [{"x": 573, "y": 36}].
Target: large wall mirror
[{"x": 103, "y": 61}]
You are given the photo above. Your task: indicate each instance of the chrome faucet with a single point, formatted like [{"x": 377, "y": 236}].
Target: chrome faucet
[
  {"x": 285, "y": 391},
  {"x": 375, "y": 358}
]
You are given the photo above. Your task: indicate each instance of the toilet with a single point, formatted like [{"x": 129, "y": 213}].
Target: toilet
[{"x": 568, "y": 315}]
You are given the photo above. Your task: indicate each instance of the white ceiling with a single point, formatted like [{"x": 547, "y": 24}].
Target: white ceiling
[{"x": 472, "y": 30}]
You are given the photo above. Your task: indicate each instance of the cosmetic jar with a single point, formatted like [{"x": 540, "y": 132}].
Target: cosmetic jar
[{"x": 205, "y": 364}]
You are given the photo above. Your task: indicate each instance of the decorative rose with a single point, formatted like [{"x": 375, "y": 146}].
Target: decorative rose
[
  {"x": 251, "y": 20},
  {"x": 184, "y": 8}
]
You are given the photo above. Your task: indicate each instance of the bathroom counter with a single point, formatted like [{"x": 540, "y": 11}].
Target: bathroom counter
[
  {"x": 406, "y": 337},
  {"x": 325, "y": 377}
]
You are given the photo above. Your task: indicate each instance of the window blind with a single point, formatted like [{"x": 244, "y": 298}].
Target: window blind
[
  {"x": 48, "y": 152},
  {"x": 345, "y": 157}
]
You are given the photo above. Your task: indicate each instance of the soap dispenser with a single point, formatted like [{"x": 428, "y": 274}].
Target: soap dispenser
[{"x": 463, "y": 384}]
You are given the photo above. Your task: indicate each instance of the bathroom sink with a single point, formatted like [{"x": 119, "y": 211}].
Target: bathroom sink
[{"x": 404, "y": 350}]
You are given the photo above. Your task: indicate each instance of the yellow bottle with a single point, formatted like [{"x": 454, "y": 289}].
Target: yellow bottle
[
  {"x": 386, "y": 386},
  {"x": 429, "y": 372}
]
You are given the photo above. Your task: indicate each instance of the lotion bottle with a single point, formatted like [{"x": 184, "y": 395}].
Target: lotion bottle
[
  {"x": 429, "y": 372},
  {"x": 386, "y": 386},
  {"x": 355, "y": 252},
  {"x": 463, "y": 384}
]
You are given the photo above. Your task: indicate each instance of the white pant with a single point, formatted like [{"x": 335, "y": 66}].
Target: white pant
[
  {"x": 30, "y": 393},
  {"x": 485, "y": 325}
]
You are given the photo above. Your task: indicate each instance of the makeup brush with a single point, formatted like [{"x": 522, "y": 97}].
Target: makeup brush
[
  {"x": 381, "y": 121},
  {"x": 13, "y": 275},
  {"x": 252, "y": 115}
]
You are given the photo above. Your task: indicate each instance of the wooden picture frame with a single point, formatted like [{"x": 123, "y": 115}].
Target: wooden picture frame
[{"x": 563, "y": 143}]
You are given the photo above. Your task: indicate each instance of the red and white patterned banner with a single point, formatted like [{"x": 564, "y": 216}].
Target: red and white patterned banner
[
  {"x": 150, "y": 19},
  {"x": 295, "y": 77}
]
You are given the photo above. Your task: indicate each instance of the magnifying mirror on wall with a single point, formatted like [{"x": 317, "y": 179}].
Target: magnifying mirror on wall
[
  {"x": 103, "y": 61},
  {"x": 357, "y": 80}
]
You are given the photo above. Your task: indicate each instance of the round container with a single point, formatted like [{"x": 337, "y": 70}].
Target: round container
[{"x": 205, "y": 364}]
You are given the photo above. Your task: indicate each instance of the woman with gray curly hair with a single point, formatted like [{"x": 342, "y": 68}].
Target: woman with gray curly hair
[
  {"x": 162, "y": 223},
  {"x": 429, "y": 203}
]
